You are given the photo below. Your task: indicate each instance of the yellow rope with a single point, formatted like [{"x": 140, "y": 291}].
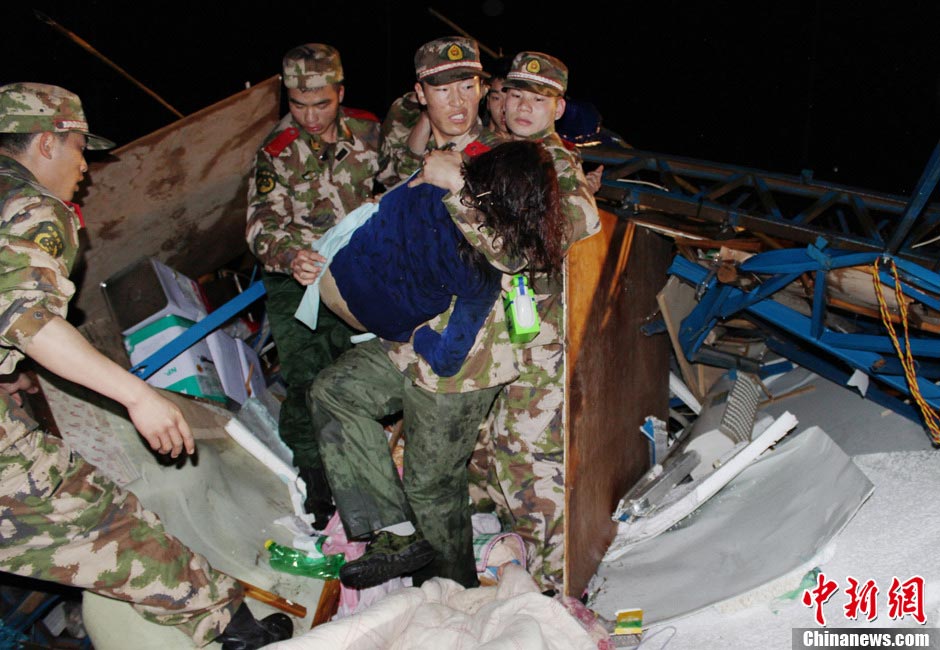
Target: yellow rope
[{"x": 904, "y": 355}]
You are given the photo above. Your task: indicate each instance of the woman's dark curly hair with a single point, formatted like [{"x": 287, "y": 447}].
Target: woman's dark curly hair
[{"x": 515, "y": 188}]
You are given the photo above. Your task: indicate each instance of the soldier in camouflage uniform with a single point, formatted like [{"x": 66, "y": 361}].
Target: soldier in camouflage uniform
[
  {"x": 442, "y": 112},
  {"x": 316, "y": 165},
  {"x": 59, "y": 519},
  {"x": 422, "y": 522},
  {"x": 526, "y": 430},
  {"x": 495, "y": 118},
  {"x": 519, "y": 465}
]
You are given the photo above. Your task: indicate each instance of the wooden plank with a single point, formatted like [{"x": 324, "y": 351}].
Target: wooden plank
[
  {"x": 671, "y": 307},
  {"x": 616, "y": 376},
  {"x": 178, "y": 194},
  {"x": 328, "y": 604},
  {"x": 270, "y": 598}
]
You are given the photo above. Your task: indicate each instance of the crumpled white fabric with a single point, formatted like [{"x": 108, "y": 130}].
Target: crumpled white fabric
[{"x": 442, "y": 614}]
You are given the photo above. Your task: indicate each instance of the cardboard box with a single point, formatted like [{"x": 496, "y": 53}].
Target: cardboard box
[
  {"x": 225, "y": 355},
  {"x": 192, "y": 373},
  {"x": 148, "y": 291},
  {"x": 238, "y": 366},
  {"x": 251, "y": 369}
]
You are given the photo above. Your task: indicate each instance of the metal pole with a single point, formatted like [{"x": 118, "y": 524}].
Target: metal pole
[
  {"x": 87, "y": 46},
  {"x": 447, "y": 21}
]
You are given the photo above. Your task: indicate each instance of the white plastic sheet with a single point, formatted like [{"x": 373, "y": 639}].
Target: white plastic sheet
[{"x": 774, "y": 517}]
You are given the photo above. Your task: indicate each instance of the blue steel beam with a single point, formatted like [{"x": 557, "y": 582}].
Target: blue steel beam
[
  {"x": 929, "y": 280},
  {"x": 856, "y": 351},
  {"x": 838, "y": 375},
  {"x": 805, "y": 260}
]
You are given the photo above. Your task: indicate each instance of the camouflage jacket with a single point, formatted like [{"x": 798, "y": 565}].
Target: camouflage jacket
[
  {"x": 301, "y": 186},
  {"x": 491, "y": 361},
  {"x": 38, "y": 247},
  {"x": 397, "y": 160}
]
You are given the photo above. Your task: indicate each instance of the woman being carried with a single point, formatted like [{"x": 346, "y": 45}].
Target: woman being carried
[{"x": 394, "y": 265}]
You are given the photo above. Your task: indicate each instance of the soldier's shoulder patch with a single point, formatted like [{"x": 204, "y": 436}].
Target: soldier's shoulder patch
[
  {"x": 281, "y": 140},
  {"x": 360, "y": 114},
  {"x": 265, "y": 180},
  {"x": 48, "y": 237}
]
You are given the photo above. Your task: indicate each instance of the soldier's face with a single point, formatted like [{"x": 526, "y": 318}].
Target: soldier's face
[
  {"x": 528, "y": 113},
  {"x": 495, "y": 106},
  {"x": 452, "y": 108},
  {"x": 66, "y": 163},
  {"x": 315, "y": 110}
]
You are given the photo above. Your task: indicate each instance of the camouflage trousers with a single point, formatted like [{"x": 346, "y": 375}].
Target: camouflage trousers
[
  {"x": 61, "y": 521},
  {"x": 519, "y": 465},
  {"x": 347, "y": 401},
  {"x": 302, "y": 353}
]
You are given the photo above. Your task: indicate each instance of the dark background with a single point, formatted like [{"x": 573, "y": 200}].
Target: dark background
[{"x": 850, "y": 90}]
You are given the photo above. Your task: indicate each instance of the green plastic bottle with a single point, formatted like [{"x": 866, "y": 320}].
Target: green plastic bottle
[{"x": 298, "y": 563}]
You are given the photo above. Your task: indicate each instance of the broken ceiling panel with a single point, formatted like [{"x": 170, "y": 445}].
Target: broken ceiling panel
[
  {"x": 774, "y": 518},
  {"x": 178, "y": 194}
]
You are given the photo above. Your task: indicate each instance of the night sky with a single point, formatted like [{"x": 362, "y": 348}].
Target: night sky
[{"x": 850, "y": 90}]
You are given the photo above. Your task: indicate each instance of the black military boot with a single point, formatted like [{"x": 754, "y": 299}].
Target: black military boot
[
  {"x": 245, "y": 632},
  {"x": 387, "y": 556},
  {"x": 319, "y": 502}
]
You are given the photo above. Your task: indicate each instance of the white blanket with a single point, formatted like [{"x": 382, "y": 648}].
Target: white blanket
[{"x": 443, "y": 614}]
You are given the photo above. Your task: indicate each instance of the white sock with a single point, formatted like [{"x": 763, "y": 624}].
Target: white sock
[{"x": 402, "y": 529}]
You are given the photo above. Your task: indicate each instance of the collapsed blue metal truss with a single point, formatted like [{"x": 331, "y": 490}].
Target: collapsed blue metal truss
[
  {"x": 686, "y": 192},
  {"x": 806, "y": 339}
]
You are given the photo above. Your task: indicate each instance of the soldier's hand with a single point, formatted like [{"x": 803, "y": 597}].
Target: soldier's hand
[
  {"x": 594, "y": 179},
  {"x": 16, "y": 382},
  {"x": 64, "y": 351},
  {"x": 306, "y": 267},
  {"x": 443, "y": 169},
  {"x": 420, "y": 134},
  {"x": 161, "y": 423}
]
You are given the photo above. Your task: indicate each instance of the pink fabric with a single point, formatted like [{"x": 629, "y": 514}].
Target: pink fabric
[
  {"x": 353, "y": 600},
  {"x": 589, "y": 621},
  {"x": 336, "y": 542}
]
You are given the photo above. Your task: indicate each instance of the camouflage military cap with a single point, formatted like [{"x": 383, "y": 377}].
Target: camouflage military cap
[
  {"x": 34, "y": 108},
  {"x": 539, "y": 73},
  {"x": 312, "y": 66},
  {"x": 445, "y": 60}
]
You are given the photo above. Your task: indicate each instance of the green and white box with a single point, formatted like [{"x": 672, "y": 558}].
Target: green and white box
[{"x": 191, "y": 373}]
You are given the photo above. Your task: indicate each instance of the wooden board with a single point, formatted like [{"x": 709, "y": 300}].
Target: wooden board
[
  {"x": 178, "y": 194},
  {"x": 616, "y": 376}
]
